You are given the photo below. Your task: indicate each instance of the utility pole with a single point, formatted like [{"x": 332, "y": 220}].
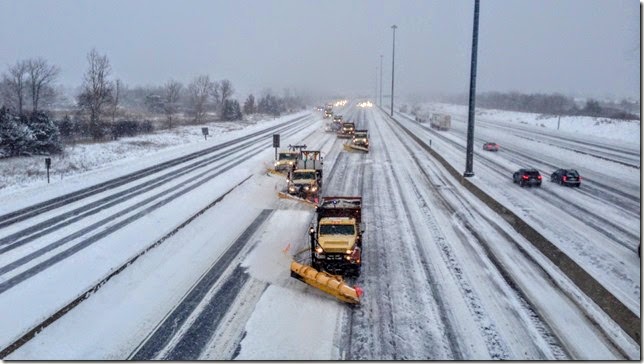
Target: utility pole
[
  {"x": 381, "y": 81},
  {"x": 469, "y": 154},
  {"x": 375, "y": 96},
  {"x": 393, "y": 56}
]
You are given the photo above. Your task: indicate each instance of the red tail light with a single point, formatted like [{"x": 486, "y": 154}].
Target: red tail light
[
  {"x": 539, "y": 177},
  {"x": 565, "y": 178},
  {"x": 579, "y": 178},
  {"x": 524, "y": 177}
]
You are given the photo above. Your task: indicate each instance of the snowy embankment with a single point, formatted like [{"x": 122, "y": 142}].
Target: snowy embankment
[
  {"x": 627, "y": 132},
  {"x": 22, "y": 179}
]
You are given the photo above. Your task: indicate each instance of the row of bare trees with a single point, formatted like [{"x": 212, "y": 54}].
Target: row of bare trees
[{"x": 28, "y": 83}]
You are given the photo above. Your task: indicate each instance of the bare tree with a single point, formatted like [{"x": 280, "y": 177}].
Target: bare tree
[
  {"x": 171, "y": 94},
  {"x": 226, "y": 90},
  {"x": 96, "y": 90},
  {"x": 198, "y": 92},
  {"x": 40, "y": 77},
  {"x": 216, "y": 93},
  {"x": 14, "y": 85}
]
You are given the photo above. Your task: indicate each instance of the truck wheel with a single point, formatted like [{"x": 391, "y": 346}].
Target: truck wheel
[{"x": 356, "y": 271}]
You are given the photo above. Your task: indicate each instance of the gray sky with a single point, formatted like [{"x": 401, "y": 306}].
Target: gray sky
[{"x": 576, "y": 47}]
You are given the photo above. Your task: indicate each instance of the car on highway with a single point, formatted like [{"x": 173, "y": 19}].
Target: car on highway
[
  {"x": 491, "y": 146},
  {"x": 527, "y": 177},
  {"x": 566, "y": 177}
]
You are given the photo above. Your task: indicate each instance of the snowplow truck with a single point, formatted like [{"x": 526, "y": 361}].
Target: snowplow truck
[
  {"x": 305, "y": 181},
  {"x": 286, "y": 160},
  {"x": 328, "y": 111},
  {"x": 440, "y": 122},
  {"x": 336, "y": 236},
  {"x": 347, "y": 130},
  {"x": 360, "y": 140}
]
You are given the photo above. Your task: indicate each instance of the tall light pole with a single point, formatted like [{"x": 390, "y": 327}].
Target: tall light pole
[
  {"x": 469, "y": 153},
  {"x": 393, "y": 57},
  {"x": 381, "y": 80},
  {"x": 375, "y": 95}
]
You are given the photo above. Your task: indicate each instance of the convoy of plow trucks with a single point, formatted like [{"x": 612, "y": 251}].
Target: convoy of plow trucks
[{"x": 335, "y": 235}]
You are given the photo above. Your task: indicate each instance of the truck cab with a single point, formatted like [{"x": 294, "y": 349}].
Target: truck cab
[
  {"x": 336, "y": 241},
  {"x": 347, "y": 130},
  {"x": 304, "y": 183},
  {"x": 286, "y": 160},
  {"x": 360, "y": 138},
  {"x": 328, "y": 111}
]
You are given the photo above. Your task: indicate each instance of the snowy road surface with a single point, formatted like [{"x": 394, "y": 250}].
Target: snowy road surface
[{"x": 444, "y": 276}]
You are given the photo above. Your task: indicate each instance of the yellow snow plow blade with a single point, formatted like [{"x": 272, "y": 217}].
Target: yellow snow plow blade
[
  {"x": 355, "y": 148},
  {"x": 326, "y": 282},
  {"x": 291, "y": 197}
]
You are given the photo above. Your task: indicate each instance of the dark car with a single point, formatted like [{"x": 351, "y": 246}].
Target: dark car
[
  {"x": 493, "y": 147},
  {"x": 566, "y": 177},
  {"x": 527, "y": 177}
]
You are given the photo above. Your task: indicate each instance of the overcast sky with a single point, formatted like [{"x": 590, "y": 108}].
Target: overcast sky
[{"x": 576, "y": 47}]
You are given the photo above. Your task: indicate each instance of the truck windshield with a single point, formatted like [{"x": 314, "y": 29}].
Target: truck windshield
[
  {"x": 304, "y": 175},
  {"x": 336, "y": 230},
  {"x": 287, "y": 156}
]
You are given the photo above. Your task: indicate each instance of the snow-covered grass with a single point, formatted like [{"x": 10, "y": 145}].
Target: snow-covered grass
[
  {"x": 624, "y": 131},
  {"x": 20, "y": 172}
]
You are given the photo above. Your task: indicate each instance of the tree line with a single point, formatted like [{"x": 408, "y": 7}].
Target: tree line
[
  {"x": 552, "y": 104},
  {"x": 106, "y": 108}
]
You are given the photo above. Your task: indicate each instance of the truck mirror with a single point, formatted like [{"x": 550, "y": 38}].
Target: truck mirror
[{"x": 362, "y": 227}]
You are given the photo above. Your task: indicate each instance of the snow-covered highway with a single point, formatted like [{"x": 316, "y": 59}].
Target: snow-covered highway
[{"x": 444, "y": 276}]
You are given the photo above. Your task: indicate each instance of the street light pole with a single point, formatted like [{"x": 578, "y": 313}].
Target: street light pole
[
  {"x": 393, "y": 57},
  {"x": 469, "y": 154},
  {"x": 375, "y": 96},
  {"x": 381, "y": 80}
]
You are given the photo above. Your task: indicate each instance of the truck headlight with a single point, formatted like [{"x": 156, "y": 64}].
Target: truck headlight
[
  {"x": 349, "y": 251},
  {"x": 313, "y": 189},
  {"x": 291, "y": 189},
  {"x": 306, "y": 188},
  {"x": 276, "y": 163},
  {"x": 319, "y": 249}
]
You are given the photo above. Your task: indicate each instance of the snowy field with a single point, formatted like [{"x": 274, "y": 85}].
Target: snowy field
[
  {"x": 624, "y": 131},
  {"x": 78, "y": 158}
]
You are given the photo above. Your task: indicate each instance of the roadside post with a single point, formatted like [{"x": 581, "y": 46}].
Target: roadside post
[
  {"x": 276, "y": 143},
  {"x": 47, "y": 165},
  {"x": 204, "y": 131}
]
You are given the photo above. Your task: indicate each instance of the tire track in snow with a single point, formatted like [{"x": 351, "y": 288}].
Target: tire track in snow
[
  {"x": 551, "y": 339},
  {"x": 497, "y": 348},
  {"x": 391, "y": 298},
  {"x": 546, "y": 333},
  {"x": 60, "y": 313},
  {"x": 156, "y": 343}
]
